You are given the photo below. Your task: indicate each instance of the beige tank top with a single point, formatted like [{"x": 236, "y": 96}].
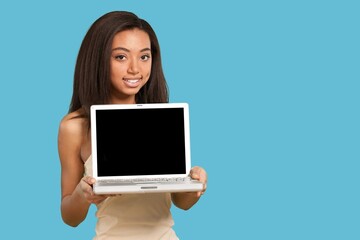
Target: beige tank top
[{"x": 133, "y": 216}]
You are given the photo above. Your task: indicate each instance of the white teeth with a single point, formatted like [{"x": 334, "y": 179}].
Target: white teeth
[{"x": 133, "y": 81}]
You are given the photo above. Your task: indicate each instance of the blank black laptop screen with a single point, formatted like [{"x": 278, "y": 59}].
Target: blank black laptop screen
[{"x": 140, "y": 141}]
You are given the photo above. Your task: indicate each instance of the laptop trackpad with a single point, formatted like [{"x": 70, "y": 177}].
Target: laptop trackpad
[
  {"x": 143, "y": 186},
  {"x": 147, "y": 185}
]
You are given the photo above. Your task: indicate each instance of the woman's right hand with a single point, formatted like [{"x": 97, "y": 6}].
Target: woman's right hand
[{"x": 88, "y": 193}]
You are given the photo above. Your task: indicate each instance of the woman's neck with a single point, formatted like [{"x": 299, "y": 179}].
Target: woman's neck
[{"x": 128, "y": 100}]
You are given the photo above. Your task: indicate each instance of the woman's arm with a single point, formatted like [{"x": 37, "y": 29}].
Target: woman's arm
[
  {"x": 76, "y": 190},
  {"x": 186, "y": 200},
  {"x": 74, "y": 206}
]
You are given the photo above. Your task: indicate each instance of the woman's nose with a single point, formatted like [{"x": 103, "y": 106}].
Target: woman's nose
[{"x": 133, "y": 68}]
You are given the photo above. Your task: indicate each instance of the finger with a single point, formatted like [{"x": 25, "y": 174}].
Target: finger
[
  {"x": 86, "y": 186},
  {"x": 203, "y": 177},
  {"x": 89, "y": 180},
  {"x": 199, "y": 194},
  {"x": 195, "y": 172},
  {"x": 99, "y": 198},
  {"x": 113, "y": 195},
  {"x": 199, "y": 174},
  {"x": 204, "y": 190}
]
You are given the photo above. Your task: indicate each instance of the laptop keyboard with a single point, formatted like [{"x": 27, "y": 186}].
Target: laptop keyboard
[{"x": 144, "y": 180}]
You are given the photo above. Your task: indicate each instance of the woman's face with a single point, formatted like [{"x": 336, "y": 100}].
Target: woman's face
[{"x": 130, "y": 64}]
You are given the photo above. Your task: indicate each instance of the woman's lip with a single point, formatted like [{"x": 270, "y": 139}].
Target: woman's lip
[{"x": 132, "y": 82}]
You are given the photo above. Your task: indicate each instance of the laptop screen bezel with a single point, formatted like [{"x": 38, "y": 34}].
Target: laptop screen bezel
[{"x": 185, "y": 108}]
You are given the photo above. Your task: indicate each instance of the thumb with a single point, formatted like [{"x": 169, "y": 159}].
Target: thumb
[{"x": 89, "y": 180}]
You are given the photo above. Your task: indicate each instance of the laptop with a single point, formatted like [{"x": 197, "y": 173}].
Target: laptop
[{"x": 141, "y": 148}]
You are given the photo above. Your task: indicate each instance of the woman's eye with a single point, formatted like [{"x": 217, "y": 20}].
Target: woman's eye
[
  {"x": 145, "y": 57},
  {"x": 120, "y": 57}
]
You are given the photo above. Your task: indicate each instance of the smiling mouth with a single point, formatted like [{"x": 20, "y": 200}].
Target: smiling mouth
[{"x": 132, "y": 82}]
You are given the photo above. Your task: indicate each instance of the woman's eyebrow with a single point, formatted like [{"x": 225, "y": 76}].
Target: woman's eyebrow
[{"x": 127, "y": 50}]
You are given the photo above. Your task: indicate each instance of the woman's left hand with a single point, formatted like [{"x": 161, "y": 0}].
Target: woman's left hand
[{"x": 198, "y": 173}]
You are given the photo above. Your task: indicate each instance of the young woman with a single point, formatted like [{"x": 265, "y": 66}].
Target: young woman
[{"x": 118, "y": 63}]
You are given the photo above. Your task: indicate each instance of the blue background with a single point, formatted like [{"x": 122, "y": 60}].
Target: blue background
[{"x": 273, "y": 88}]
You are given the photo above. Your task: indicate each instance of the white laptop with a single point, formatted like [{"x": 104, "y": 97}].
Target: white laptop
[{"x": 141, "y": 148}]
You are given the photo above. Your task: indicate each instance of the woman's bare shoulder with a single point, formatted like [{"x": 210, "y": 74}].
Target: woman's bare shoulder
[{"x": 72, "y": 124}]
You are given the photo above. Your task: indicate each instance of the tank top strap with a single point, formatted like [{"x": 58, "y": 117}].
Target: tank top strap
[{"x": 88, "y": 166}]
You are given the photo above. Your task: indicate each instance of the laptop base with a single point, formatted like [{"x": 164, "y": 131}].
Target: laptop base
[{"x": 192, "y": 186}]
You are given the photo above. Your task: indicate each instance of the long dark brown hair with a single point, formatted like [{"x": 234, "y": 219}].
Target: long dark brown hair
[{"x": 92, "y": 71}]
